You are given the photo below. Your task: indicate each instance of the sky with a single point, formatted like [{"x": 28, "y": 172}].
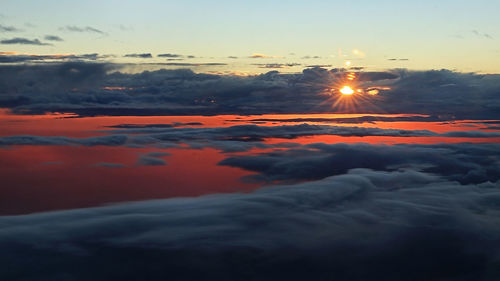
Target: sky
[
  {"x": 456, "y": 35},
  {"x": 249, "y": 140}
]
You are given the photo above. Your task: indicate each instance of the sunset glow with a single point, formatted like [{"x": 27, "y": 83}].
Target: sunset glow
[{"x": 346, "y": 90}]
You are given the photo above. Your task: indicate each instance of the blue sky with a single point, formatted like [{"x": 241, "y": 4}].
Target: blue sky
[{"x": 461, "y": 35}]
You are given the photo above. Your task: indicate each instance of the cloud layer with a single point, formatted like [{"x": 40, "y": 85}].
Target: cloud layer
[
  {"x": 394, "y": 225},
  {"x": 439, "y": 93}
]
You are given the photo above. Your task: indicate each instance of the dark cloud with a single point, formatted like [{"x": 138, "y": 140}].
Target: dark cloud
[
  {"x": 168, "y": 55},
  {"x": 152, "y": 159},
  {"x": 394, "y": 226},
  {"x": 12, "y": 58},
  {"x": 256, "y": 133},
  {"x": 113, "y": 140},
  {"x": 88, "y": 29},
  {"x": 23, "y": 41},
  {"x": 225, "y": 139},
  {"x": 53, "y": 38},
  {"x": 466, "y": 163},
  {"x": 345, "y": 120},
  {"x": 5, "y": 28},
  {"x": 143, "y": 56},
  {"x": 137, "y": 126},
  {"x": 438, "y": 93}
]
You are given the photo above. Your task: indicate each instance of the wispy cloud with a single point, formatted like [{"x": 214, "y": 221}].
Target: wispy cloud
[
  {"x": 483, "y": 35},
  {"x": 53, "y": 38},
  {"x": 89, "y": 29},
  {"x": 194, "y": 64},
  {"x": 4, "y": 28},
  {"x": 262, "y": 56},
  {"x": 276, "y": 65},
  {"x": 310, "y": 57}
]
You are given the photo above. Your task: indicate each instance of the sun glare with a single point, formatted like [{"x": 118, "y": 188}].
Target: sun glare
[{"x": 346, "y": 90}]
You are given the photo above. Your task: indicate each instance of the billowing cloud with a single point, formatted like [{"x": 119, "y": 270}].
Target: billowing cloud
[
  {"x": 394, "y": 225},
  {"x": 466, "y": 163},
  {"x": 437, "y": 93},
  {"x": 23, "y": 41}
]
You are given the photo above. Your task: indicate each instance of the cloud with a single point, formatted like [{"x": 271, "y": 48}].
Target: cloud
[
  {"x": 53, "y": 38},
  {"x": 262, "y": 56},
  {"x": 345, "y": 120},
  {"x": 88, "y": 29},
  {"x": 195, "y": 64},
  {"x": 16, "y": 58},
  {"x": 226, "y": 139},
  {"x": 23, "y": 41},
  {"x": 437, "y": 93},
  {"x": 276, "y": 65},
  {"x": 112, "y": 140},
  {"x": 483, "y": 35},
  {"x": 5, "y": 28},
  {"x": 138, "y": 126},
  {"x": 152, "y": 159},
  {"x": 310, "y": 57},
  {"x": 465, "y": 163},
  {"x": 168, "y": 55},
  {"x": 394, "y": 225},
  {"x": 144, "y": 56},
  {"x": 319, "y": 65}
]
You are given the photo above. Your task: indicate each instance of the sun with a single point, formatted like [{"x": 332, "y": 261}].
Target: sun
[{"x": 346, "y": 90}]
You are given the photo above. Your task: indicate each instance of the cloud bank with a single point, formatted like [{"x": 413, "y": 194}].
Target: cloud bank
[
  {"x": 396, "y": 225},
  {"x": 444, "y": 94}
]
